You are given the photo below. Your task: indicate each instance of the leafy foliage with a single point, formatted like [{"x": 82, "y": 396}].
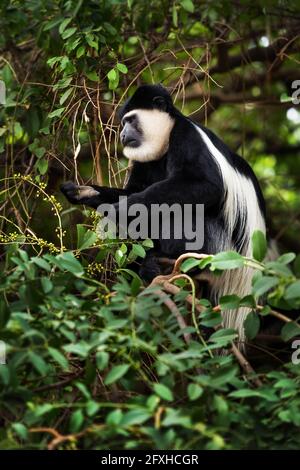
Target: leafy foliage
[
  {"x": 93, "y": 358},
  {"x": 112, "y": 367}
]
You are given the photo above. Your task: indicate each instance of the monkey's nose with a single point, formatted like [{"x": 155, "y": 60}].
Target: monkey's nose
[
  {"x": 123, "y": 137},
  {"x": 127, "y": 138}
]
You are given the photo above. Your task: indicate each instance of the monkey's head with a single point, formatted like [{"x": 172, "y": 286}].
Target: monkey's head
[{"x": 147, "y": 119}]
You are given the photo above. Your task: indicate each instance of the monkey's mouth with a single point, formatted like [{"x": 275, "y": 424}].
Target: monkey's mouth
[{"x": 131, "y": 143}]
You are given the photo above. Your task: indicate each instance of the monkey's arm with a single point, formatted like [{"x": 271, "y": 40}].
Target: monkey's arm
[
  {"x": 93, "y": 195},
  {"x": 178, "y": 189}
]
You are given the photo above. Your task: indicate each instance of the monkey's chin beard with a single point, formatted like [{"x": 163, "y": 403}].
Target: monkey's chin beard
[
  {"x": 145, "y": 152},
  {"x": 156, "y": 127}
]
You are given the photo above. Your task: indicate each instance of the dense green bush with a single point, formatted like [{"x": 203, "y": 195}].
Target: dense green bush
[{"x": 92, "y": 368}]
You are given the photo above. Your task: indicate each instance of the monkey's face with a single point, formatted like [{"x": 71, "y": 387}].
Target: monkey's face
[{"x": 145, "y": 134}]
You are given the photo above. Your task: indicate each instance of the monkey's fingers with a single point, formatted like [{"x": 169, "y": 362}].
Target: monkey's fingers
[
  {"x": 80, "y": 194},
  {"x": 71, "y": 191}
]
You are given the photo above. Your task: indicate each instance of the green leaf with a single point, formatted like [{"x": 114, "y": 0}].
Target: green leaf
[
  {"x": 227, "y": 260},
  {"x": 68, "y": 32},
  {"x": 203, "y": 263},
  {"x": 148, "y": 243},
  {"x": 51, "y": 24},
  {"x": 90, "y": 39},
  {"x": 38, "y": 362},
  {"x": 114, "y": 417},
  {"x": 59, "y": 358},
  {"x": 188, "y": 264},
  {"x": 210, "y": 319},
  {"x": 47, "y": 285},
  {"x": 80, "y": 51},
  {"x": 65, "y": 96},
  {"x": 41, "y": 410},
  {"x": 163, "y": 392},
  {"x": 42, "y": 166},
  {"x": 248, "y": 301},
  {"x": 229, "y": 302},
  {"x": 188, "y": 5},
  {"x": 138, "y": 250},
  {"x": 122, "y": 68},
  {"x": 286, "y": 383},
  {"x": 93, "y": 76},
  {"x": 64, "y": 24},
  {"x": 85, "y": 238},
  {"x": 135, "y": 417},
  {"x": 265, "y": 311},
  {"x": 263, "y": 285},
  {"x": 135, "y": 286},
  {"x": 296, "y": 266},
  {"x": 286, "y": 258},
  {"x": 194, "y": 391},
  {"x": 37, "y": 151},
  {"x": 120, "y": 257},
  {"x": 57, "y": 113},
  {"x": 175, "y": 16},
  {"x": 63, "y": 83},
  {"x": 244, "y": 393},
  {"x": 123, "y": 248},
  {"x": 290, "y": 330},
  {"x": 76, "y": 421},
  {"x": 177, "y": 417},
  {"x": 42, "y": 263},
  {"x": 92, "y": 407},
  {"x": 112, "y": 75},
  {"x": 116, "y": 373},
  {"x": 251, "y": 325},
  {"x": 293, "y": 291},
  {"x": 21, "y": 430},
  {"x": 80, "y": 349},
  {"x": 68, "y": 261},
  {"x": 223, "y": 336},
  {"x": 83, "y": 388},
  {"x": 152, "y": 402},
  {"x": 259, "y": 245},
  {"x": 224, "y": 375},
  {"x": 279, "y": 268},
  {"x": 52, "y": 61},
  {"x": 72, "y": 45},
  {"x": 102, "y": 358}
]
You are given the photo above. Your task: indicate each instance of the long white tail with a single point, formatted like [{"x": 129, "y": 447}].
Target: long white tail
[{"x": 240, "y": 207}]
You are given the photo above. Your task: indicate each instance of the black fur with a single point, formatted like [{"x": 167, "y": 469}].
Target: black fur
[{"x": 187, "y": 173}]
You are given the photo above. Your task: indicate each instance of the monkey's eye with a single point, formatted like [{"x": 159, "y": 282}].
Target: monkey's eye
[
  {"x": 160, "y": 103},
  {"x": 128, "y": 120}
]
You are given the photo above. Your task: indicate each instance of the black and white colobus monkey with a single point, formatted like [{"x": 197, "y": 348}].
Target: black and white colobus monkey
[{"x": 175, "y": 160}]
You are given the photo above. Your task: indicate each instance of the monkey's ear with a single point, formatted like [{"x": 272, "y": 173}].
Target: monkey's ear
[{"x": 160, "y": 103}]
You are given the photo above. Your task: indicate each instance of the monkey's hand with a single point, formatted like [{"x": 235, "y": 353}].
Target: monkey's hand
[
  {"x": 93, "y": 195},
  {"x": 77, "y": 194}
]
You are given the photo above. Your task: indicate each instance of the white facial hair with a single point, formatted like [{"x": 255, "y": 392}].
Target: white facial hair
[{"x": 156, "y": 127}]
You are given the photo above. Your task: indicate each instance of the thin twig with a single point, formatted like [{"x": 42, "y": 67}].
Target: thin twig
[{"x": 245, "y": 365}]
